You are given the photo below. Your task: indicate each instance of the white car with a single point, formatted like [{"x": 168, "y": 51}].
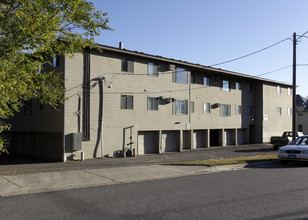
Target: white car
[{"x": 297, "y": 150}]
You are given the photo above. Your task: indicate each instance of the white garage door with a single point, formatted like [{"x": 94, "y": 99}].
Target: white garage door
[
  {"x": 170, "y": 141},
  {"x": 199, "y": 139},
  {"x": 147, "y": 142}
]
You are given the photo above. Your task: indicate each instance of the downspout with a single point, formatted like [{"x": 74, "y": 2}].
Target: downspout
[
  {"x": 63, "y": 136},
  {"x": 102, "y": 110}
]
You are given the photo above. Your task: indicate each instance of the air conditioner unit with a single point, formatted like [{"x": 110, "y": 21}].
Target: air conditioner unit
[
  {"x": 162, "y": 97},
  {"x": 169, "y": 100},
  {"x": 171, "y": 67}
]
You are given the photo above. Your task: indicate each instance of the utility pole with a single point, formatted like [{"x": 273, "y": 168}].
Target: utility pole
[{"x": 294, "y": 89}]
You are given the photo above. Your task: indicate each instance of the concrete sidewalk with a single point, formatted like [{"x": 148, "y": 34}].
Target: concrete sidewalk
[{"x": 61, "y": 180}]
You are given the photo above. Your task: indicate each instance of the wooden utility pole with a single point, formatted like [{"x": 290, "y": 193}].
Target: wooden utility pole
[{"x": 294, "y": 89}]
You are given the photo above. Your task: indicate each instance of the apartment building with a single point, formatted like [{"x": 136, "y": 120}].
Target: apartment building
[{"x": 122, "y": 100}]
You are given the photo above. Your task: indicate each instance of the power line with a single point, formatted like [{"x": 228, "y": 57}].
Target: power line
[{"x": 258, "y": 51}]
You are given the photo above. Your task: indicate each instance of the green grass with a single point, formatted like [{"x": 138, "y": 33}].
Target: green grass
[{"x": 222, "y": 161}]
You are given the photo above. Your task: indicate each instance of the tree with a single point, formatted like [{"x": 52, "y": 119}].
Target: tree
[{"x": 31, "y": 31}]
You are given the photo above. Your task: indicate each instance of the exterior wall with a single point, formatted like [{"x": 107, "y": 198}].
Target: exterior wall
[
  {"x": 39, "y": 134},
  {"x": 122, "y": 126},
  {"x": 273, "y": 124},
  {"x": 302, "y": 119}
]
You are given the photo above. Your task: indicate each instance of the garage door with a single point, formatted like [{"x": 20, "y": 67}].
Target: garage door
[
  {"x": 199, "y": 139},
  {"x": 240, "y": 136},
  {"x": 170, "y": 141},
  {"x": 147, "y": 142}
]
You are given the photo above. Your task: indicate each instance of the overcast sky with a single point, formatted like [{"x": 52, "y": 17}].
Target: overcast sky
[{"x": 209, "y": 32}]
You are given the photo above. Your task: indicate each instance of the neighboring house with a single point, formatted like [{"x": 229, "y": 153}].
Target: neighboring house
[
  {"x": 121, "y": 99},
  {"x": 302, "y": 114}
]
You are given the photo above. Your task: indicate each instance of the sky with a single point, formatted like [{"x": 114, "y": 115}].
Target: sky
[{"x": 209, "y": 32}]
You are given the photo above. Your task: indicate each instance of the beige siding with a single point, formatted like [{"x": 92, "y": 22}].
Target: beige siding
[{"x": 274, "y": 124}]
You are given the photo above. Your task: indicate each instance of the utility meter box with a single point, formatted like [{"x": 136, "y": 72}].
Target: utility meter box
[{"x": 76, "y": 141}]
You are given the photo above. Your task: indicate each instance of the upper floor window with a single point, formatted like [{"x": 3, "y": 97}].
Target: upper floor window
[
  {"x": 237, "y": 86},
  {"x": 289, "y": 91},
  {"x": 225, "y": 110},
  {"x": 238, "y": 109},
  {"x": 55, "y": 61},
  {"x": 180, "y": 107},
  {"x": 152, "y": 103},
  {"x": 206, "y": 107},
  {"x": 180, "y": 75},
  {"x": 127, "y": 65},
  {"x": 289, "y": 111},
  {"x": 278, "y": 90},
  {"x": 152, "y": 69},
  {"x": 225, "y": 85},
  {"x": 127, "y": 102},
  {"x": 249, "y": 110},
  {"x": 206, "y": 81},
  {"x": 279, "y": 111}
]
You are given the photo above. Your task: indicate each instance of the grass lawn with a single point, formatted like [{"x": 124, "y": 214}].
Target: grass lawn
[{"x": 222, "y": 161}]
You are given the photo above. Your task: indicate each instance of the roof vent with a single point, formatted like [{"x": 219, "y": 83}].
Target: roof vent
[{"x": 121, "y": 45}]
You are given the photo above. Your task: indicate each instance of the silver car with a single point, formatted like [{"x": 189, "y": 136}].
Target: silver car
[{"x": 297, "y": 150}]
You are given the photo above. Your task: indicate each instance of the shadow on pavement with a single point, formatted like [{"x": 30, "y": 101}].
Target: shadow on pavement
[{"x": 13, "y": 159}]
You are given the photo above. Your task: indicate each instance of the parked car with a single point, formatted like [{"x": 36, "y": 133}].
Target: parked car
[
  {"x": 297, "y": 150},
  {"x": 286, "y": 138}
]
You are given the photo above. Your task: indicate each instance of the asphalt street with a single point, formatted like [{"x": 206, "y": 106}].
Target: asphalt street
[{"x": 272, "y": 192}]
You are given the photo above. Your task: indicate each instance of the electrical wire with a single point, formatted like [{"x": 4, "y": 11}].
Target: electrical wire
[{"x": 258, "y": 51}]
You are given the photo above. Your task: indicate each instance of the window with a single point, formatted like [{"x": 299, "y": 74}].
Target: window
[
  {"x": 278, "y": 90},
  {"x": 289, "y": 111},
  {"x": 206, "y": 81},
  {"x": 249, "y": 110},
  {"x": 225, "y": 110},
  {"x": 55, "y": 61},
  {"x": 206, "y": 107},
  {"x": 28, "y": 107},
  {"x": 238, "y": 109},
  {"x": 152, "y": 69},
  {"x": 127, "y": 102},
  {"x": 192, "y": 107},
  {"x": 152, "y": 103},
  {"x": 279, "y": 111},
  {"x": 289, "y": 91},
  {"x": 180, "y": 107},
  {"x": 192, "y": 78},
  {"x": 180, "y": 75},
  {"x": 237, "y": 86},
  {"x": 225, "y": 85},
  {"x": 127, "y": 65},
  {"x": 300, "y": 128}
]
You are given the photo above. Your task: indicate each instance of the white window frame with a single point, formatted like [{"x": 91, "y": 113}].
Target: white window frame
[
  {"x": 226, "y": 85},
  {"x": 152, "y": 104},
  {"x": 289, "y": 91},
  {"x": 127, "y": 65},
  {"x": 237, "y": 86},
  {"x": 225, "y": 110},
  {"x": 238, "y": 109},
  {"x": 206, "y": 81},
  {"x": 289, "y": 111},
  {"x": 152, "y": 69},
  {"x": 206, "y": 108},
  {"x": 127, "y": 102},
  {"x": 278, "y": 90},
  {"x": 279, "y": 111},
  {"x": 180, "y": 75},
  {"x": 180, "y": 107}
]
